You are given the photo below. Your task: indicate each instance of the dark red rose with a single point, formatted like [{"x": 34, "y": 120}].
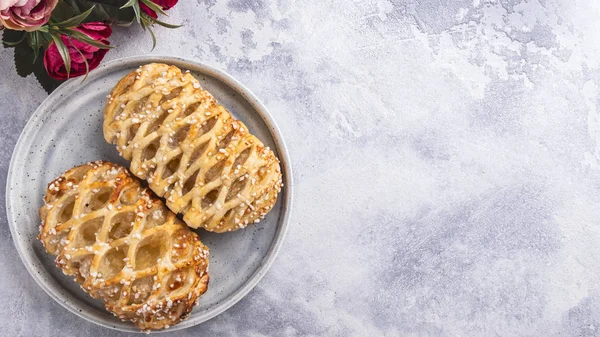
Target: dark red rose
[
  {"x": 55, "y": 66},
  {"x": 164, "y": 4}
]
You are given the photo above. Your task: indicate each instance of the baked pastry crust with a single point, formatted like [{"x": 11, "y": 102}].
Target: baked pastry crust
[
  {"x": 191, "y": 151},
  {"x": 122, "y": 245}
]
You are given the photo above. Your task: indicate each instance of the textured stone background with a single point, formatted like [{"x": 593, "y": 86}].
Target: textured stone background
[{"x": 446, "y": 156}]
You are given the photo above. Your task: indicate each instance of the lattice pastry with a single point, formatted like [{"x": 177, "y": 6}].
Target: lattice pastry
[
  {"x": 123, "y": 246},
  {"x": 191, "y": 150}
]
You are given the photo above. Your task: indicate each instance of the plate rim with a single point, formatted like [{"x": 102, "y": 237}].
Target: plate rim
[{"x": 286, "y": 195}]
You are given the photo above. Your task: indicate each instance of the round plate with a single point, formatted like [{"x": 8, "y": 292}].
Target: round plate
[{"x": 66, "y": 131}]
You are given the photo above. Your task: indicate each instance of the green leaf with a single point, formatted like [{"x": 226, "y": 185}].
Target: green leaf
[
  {"x": 129, "y": 3},
  {"x": 76, "y": 20},
  {"x": 122, "y": 17},
  {"x": 47, "y": 82},
  {"x": 113, "y": 3},
  {"x": 154, "y": 7},
  {"x": 104, "y": 10},
  {"x": 153, "y": 37},
  {"x": 84, "y": 38},
  {"x": 147, "y": 21},
  {"x": 36, "y": 53},
  {"x": 43, "y": 39},
  {"x": 63, "y": 11},
  {"x": 166, "y": 25},
  {"x": 11, "y": 38},
  {"x": 25, "y": 65},
  {"x": 24, "y": 60},
  {"x": 63, "y": 51},
  {"x": 77, "y": 6},
  {"x": 34, "y": 44},
  {"x": 135, "y": 5},
  {"x": 137, "y": 11},
  {"x": 12, "y": 44}
]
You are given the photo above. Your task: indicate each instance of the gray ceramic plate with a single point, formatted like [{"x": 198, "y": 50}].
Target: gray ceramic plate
[{"x": 66, "y": 130}]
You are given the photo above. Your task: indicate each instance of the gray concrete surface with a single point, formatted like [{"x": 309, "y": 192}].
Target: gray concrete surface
[{"x": 446, "y": 157}]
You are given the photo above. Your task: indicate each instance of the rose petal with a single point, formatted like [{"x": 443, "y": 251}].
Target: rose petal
[
  {"x": 4, "y": 4},
  {"x": 148, "y": 11},
  {"x": 165, "y": 4},
  {"x": 95, "y": 30},
  {"x": 26, "y": 8}
]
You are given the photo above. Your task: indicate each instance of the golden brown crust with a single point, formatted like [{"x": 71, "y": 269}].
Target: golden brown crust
[
  {"x": 191, "y": 150},
  {"x": 123, "y": 246}
]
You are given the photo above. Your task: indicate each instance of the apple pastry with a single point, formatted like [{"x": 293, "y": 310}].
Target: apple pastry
[
  {"x": 122, "y": 245},
  {"x": 190, "y": 150}
]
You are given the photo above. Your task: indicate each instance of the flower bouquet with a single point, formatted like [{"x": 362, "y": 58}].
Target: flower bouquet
[{"x": 61, "y": 39}]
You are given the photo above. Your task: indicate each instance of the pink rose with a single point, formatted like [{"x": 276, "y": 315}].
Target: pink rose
[
  {"x": 55, "y": 66},
  {"x": 26, "y": 15},
  {"x": 164, "y": 4}
]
